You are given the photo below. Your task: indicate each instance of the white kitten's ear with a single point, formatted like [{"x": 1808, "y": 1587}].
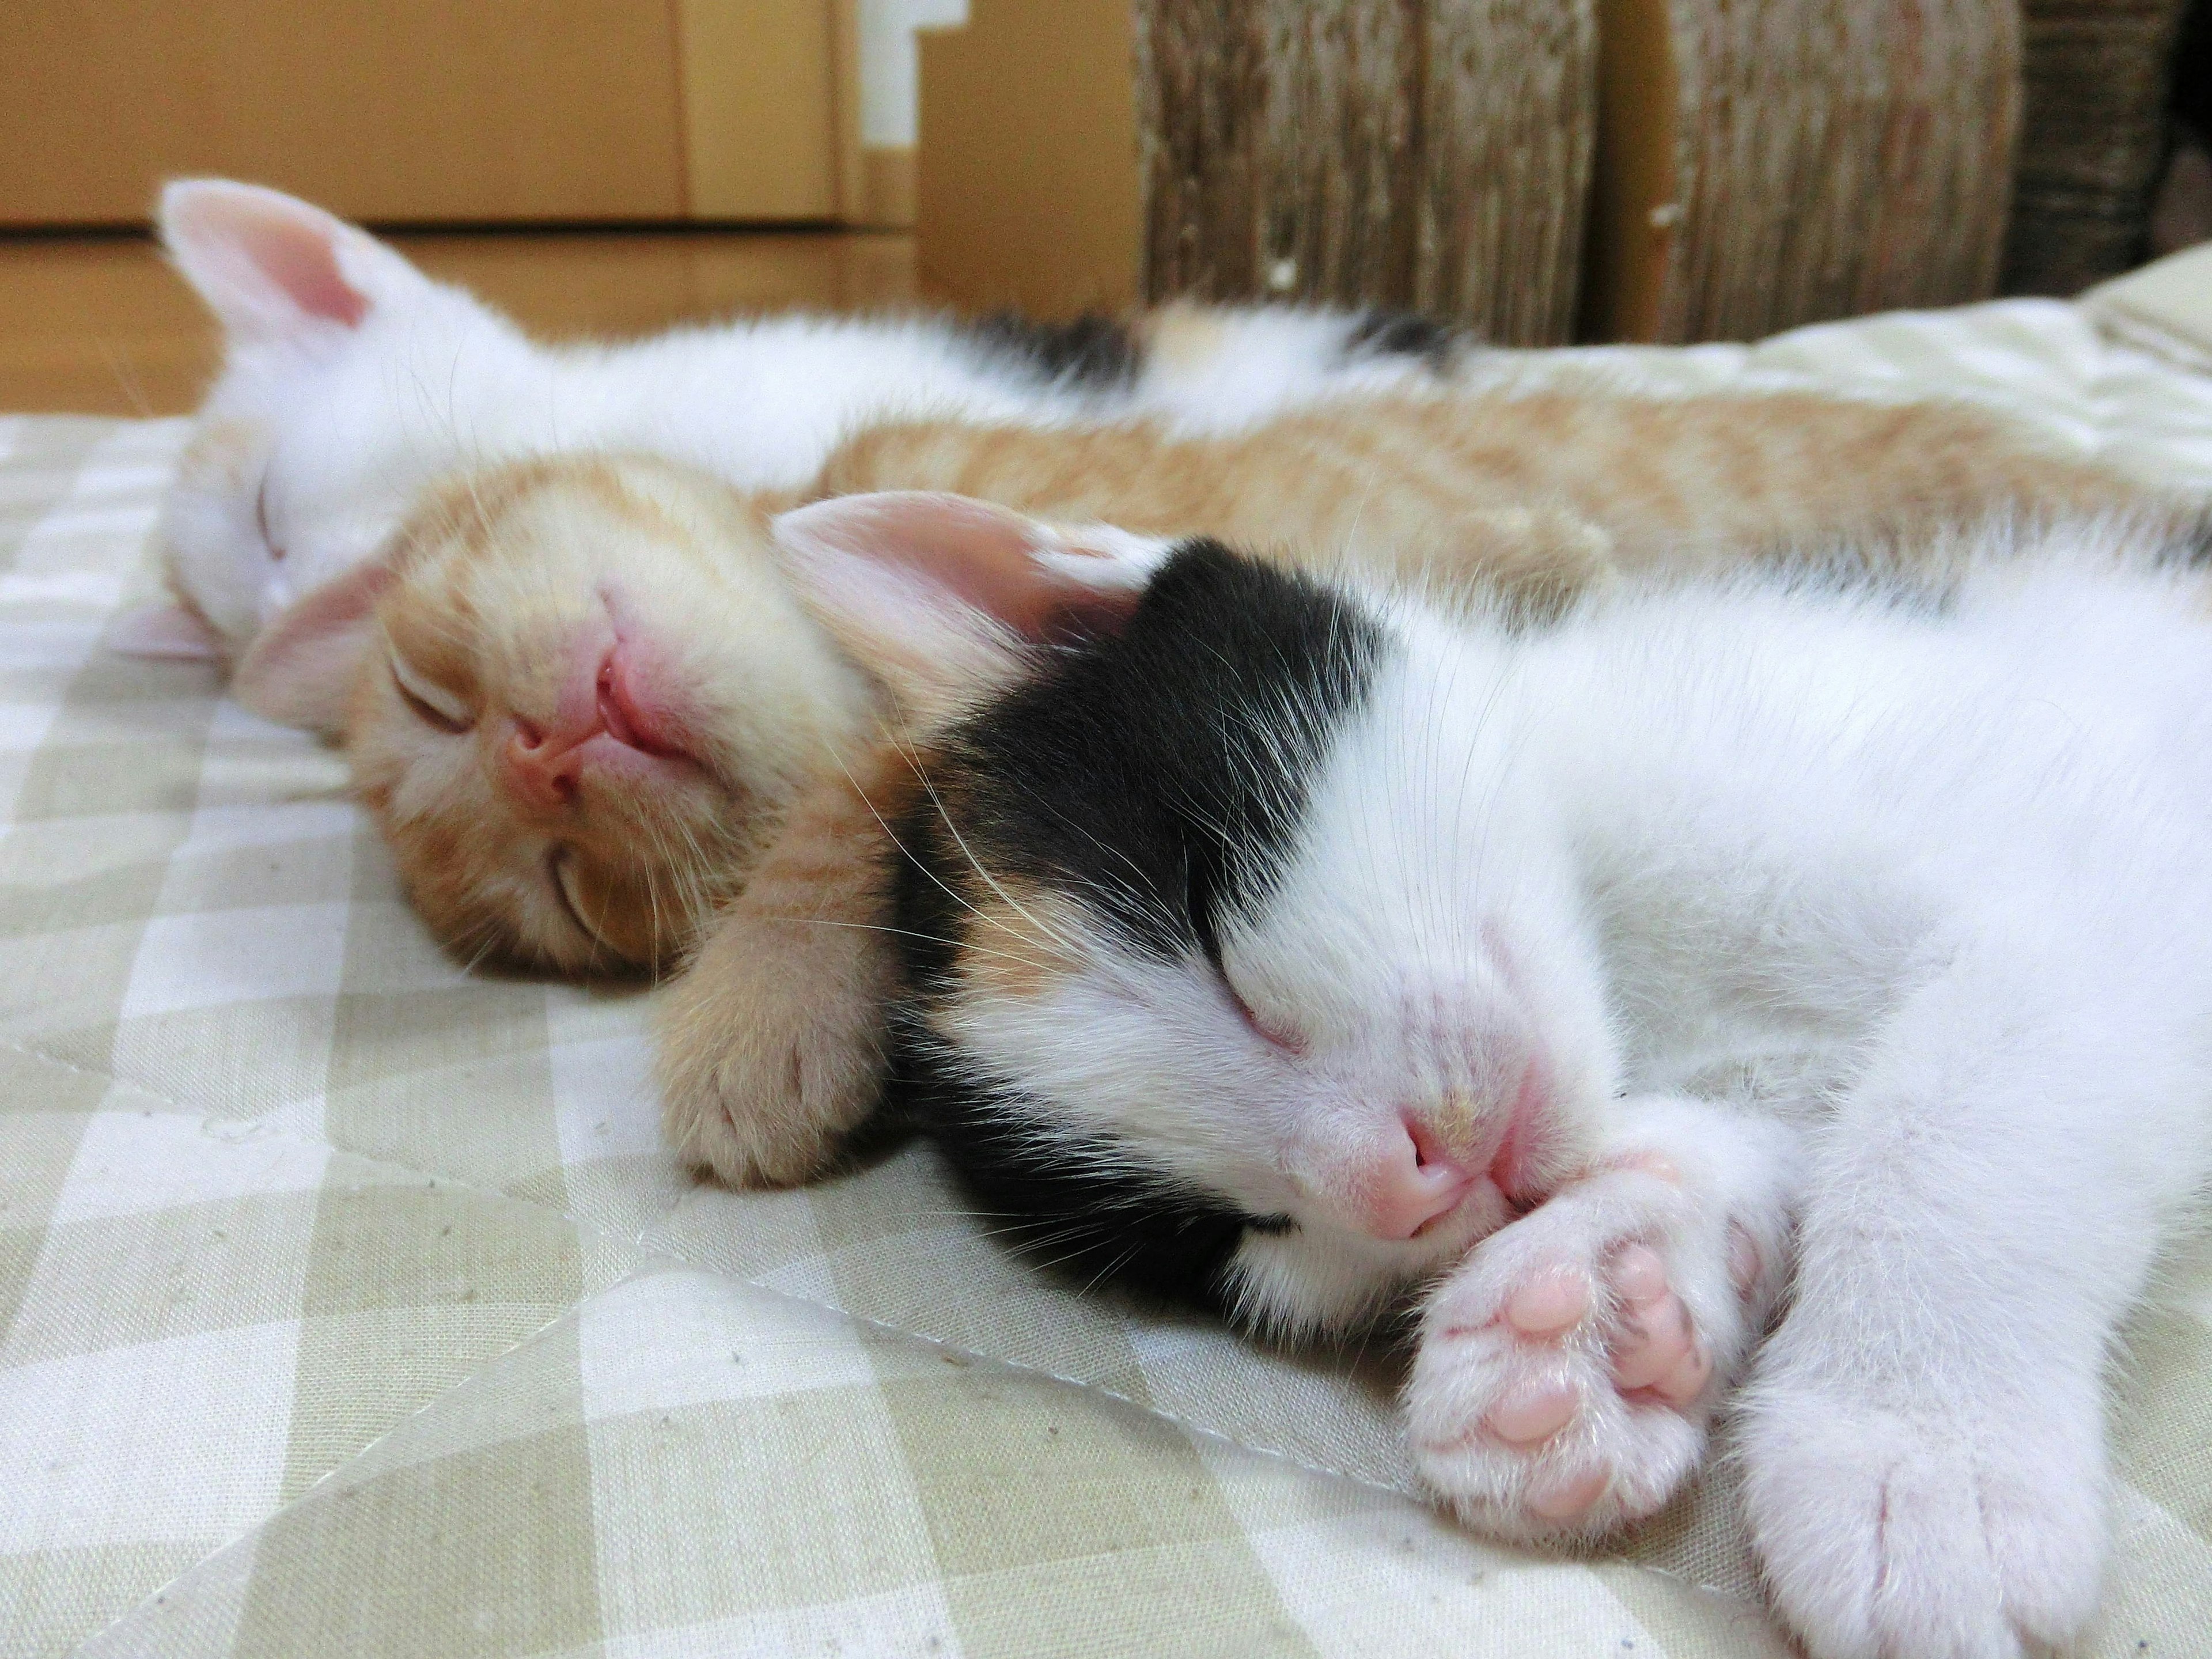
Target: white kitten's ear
[
  {"x": 272, "y": 267},
  {"x": 940, "y": 596},
  {"x": 300, "y": 670},
  {"x": 162, "y": 629}
]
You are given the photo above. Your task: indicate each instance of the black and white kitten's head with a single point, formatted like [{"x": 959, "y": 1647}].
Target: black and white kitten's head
[{"x": 1233, "y": 970}]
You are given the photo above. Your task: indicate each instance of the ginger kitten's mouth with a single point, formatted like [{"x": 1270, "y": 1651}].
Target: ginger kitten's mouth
[{"x": 608, "y": 721}]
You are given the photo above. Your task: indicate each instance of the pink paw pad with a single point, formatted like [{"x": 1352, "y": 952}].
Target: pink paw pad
[
  {"x": 1656, "y": 1351},
  {"x": 1564, "y": 1497},
  {"x": 1657, "y": 1347},
  {"x": 1550, "y": 1303}
]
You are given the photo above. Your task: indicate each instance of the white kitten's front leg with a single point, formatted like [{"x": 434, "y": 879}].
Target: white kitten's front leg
[
  {"x": 1924, "y": 1442},
  {"x": 1569, "y": 1368}
]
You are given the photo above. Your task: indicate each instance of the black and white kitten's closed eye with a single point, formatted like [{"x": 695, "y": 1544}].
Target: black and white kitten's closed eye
[{"x": 1291, "y": 948}]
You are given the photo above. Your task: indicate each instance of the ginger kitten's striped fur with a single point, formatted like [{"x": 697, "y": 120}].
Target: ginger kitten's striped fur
[{"x": 1570, "y": 482}]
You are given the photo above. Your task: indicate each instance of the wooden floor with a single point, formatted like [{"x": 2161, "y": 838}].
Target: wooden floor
[{"x": 101, "y": 325}]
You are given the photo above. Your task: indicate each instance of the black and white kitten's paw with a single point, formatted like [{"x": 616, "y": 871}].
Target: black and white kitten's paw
[
  {"x": 1928, "y": 1533},
  {"x": 1567, "y": 1372}
]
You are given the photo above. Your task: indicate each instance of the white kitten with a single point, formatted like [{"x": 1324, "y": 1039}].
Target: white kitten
[
  {"x": 351, "y": 381},
  {"x": 1287, "y": 948}
]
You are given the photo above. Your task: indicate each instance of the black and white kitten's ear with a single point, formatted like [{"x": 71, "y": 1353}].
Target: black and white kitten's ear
[
  {"x": 300, "y": 670},
  {"x": 273, "y": 267},
  {"x": 941, "y": 596}
]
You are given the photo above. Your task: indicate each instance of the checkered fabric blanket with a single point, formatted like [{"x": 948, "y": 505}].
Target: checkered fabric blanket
[{"x": 349, "y": 1305}]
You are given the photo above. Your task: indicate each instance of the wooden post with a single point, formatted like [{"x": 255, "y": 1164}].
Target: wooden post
[
  {"x": 1772, "y": 162},
  {"x": 2092, "y": 141},
  {"x": 1414, "y": 153}
]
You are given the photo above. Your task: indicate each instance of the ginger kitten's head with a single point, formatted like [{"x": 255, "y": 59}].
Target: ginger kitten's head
[{"x": 575, "y": 695}]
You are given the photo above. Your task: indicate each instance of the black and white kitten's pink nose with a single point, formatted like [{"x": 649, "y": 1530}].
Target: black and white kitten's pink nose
[
  {"x": 1415, "y": 1182},
  {"x": 1427, "y": 1164}
]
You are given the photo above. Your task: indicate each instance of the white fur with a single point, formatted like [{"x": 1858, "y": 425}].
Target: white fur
[
  {"x": 1893, "y": 912},
  {"x": 341, "y": 425},
  {"x": 1955, "y": 873}
]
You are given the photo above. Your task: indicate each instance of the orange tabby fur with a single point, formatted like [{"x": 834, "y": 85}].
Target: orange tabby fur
[{"x": 1394, "y": 482}]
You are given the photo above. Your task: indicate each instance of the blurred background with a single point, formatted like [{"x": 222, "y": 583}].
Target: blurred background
[{"x": 1545, "y": 170}]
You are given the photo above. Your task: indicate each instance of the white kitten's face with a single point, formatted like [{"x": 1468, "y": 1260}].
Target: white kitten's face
[
  {"x": 586, "y": 698},
  {"x": 351, "y": 383},
  {"x": 1261, "y": 988},
  {"x": 307, "y": 456}
]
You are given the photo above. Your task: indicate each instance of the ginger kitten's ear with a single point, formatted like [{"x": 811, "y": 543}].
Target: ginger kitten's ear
[
  {"x": 272, "y": 267},
  {"x": 939, "y": 595},
  {"x": 300, "y": 670}
]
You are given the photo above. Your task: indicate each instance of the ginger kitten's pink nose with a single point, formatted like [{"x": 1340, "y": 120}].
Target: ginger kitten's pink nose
[
  {"x": 542, "y": 771},
  {"x": 1415, "y": 1182}
]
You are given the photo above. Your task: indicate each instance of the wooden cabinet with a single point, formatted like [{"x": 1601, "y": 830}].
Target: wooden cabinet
[{"x": 436, "y": 111}]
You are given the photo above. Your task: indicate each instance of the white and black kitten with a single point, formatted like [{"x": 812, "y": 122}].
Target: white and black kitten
[{"x": 1292, "y": 948}]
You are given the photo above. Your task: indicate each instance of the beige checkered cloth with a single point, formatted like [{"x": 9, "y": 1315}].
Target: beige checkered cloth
[{"x": 349, "y": 1305}]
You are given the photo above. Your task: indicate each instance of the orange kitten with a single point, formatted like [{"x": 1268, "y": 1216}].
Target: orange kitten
[
  {"x": 1565, "y": 481},
  {"x": 580, "y": 696}
]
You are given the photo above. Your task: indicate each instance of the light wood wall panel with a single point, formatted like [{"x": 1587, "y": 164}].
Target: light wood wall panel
[
  {"x": 434, "y": 111},
  {"x": 380, "y": 109},
  {"x": 763, "y": 84}
]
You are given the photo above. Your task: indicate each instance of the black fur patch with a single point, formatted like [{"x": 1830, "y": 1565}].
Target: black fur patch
[
  {"x": 2196, "y": 538},
  {"x": 1158, "y": 778},
  {"x": 1155, "y": 1236},
  {"x": 1405, "y": 334},
  {"x": 1092, "y": 353}
]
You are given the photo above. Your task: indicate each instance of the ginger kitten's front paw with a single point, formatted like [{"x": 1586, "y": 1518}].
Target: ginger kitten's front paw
[
  {"x": 1567, "y": 1371},
  {"x": 771, "y": 1047},
  {"x": 1926, "y": 1534}
]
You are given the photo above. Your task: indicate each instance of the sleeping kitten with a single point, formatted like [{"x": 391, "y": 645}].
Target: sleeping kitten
[
  {"x": 1291, "y": 948},
  {"x": 352, "y": 383},
  {"x": 577, "y": 696},
  {"x": 766, "y": 1061}
]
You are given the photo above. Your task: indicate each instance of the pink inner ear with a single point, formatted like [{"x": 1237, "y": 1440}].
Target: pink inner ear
[
  {"x": 983, "y": 555},
  {"x": 306, "y": 268},
  {"x": 302, "y": 260},
  {"x": 267, "y": 242},
  {"x": 301, "y": 668}
]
